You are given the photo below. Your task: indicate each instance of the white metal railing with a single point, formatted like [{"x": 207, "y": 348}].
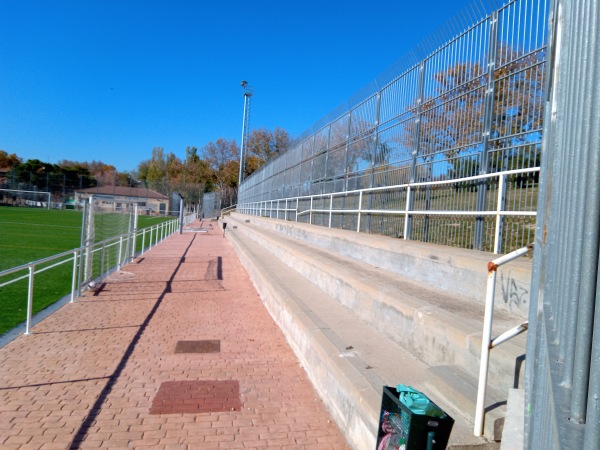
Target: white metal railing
[
  {"x": 150, "y": 236},
  {"x": 291, "y": 204},
  {"x": 228, "y": 210},
  {"x": 487, "y": 342}
]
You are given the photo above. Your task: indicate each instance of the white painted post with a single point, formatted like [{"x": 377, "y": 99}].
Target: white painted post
[
  {"x": 408, "y": 192},
  {"x": 360, "y": 196},
  {"x": 119, "y": 258},
  {"x": 485, "y": 352},
  {"x": 74, "y": 278},
  {"x": 29, "y": 299},
  {"x": 330, "y": 208},
  {"x": 499, "y": 207},
  {"x": 135, "y": 225}
]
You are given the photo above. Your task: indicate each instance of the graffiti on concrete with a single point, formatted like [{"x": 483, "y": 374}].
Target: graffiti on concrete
[{"x": 513, "y": 294}]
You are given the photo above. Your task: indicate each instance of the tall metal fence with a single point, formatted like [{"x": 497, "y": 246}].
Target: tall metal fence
[
  {"x": 211, "y": 205},
  {"x": 563, "y": 349},
  {"x": 445, "y": 149}
]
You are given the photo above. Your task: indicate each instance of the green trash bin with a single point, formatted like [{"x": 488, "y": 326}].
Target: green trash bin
[{"x": 424, "y": 427}]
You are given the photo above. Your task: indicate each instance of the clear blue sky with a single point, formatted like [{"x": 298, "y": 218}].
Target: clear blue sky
[{"x": 110, "y": 80}]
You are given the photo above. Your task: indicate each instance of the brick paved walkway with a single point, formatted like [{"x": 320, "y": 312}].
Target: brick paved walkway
[{"x": 111, "y": 370}]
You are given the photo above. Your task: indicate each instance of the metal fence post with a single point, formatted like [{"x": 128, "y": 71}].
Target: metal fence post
[
  {"x": 415, "y": 151},
  {"x": 406, "y": 212},
  {"x": 74, "y": 278},
  {"x": 120, "y": 257},
  {"x": 102, "y": 256},
  {"x": 374, "y": 150},
  {"x": 488, "y": 115},
  {"x": 500, "y": 207},
  {"x": 29, "y": 299},
  {"x": 330, "y": 208},
  {"x": 134, "y": 234},
  {"x": 360, "y": 197},
  {"x": 143, "y": 240}
]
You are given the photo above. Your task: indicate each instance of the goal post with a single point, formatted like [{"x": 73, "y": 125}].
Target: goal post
[
  {"x": 32, "y": 199},
  {"x": 113, "y": 223}
]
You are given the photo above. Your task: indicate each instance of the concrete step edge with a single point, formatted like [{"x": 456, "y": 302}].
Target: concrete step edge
[
  {"x": 459, "y": 388},
  {"x": 451, "y": 331}
]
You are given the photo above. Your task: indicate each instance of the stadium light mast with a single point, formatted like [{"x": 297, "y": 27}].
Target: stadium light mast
[{"x": 245, "y": 130}]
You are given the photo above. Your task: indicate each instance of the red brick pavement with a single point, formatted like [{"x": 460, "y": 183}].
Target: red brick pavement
[{"x": 88, "y": 375}]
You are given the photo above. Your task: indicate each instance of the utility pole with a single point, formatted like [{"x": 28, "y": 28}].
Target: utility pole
[{"x": 245, "y": 130}]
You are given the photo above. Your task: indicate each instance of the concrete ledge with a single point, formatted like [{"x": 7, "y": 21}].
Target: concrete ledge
[{"x": 514, "y": 426}]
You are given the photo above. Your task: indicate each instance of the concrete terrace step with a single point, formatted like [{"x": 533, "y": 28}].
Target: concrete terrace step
[
  {"x": 459, "y": 388},
  {"x": 347, "y": 360},
  {"x": 436, "y": 326},
  {"x": 459, "y": 271}
]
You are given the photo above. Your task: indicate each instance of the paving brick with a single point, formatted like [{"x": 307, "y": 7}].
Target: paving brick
[
  {"x": 17, "y": 440},
  {"x": 92, "y": 372}
]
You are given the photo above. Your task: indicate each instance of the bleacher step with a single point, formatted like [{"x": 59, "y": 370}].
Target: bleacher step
[
  {"x": 436, "y": 326},
  {"x": 459, "y": 389},
  {"x": 347, "y": 360}
]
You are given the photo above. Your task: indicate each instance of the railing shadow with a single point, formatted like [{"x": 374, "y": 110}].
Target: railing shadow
[{"x": 88, "y": 422}]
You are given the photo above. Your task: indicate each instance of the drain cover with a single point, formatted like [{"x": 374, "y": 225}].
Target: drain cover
[
  {"x": 177, "y": 397},
  {"x": 198, "y": 347}
]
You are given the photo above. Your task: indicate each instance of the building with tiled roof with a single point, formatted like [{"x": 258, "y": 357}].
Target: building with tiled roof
[{"x": 120, "y": 197}]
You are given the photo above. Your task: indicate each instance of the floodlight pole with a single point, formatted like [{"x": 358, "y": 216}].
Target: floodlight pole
[{"x": 245, "y": 130}]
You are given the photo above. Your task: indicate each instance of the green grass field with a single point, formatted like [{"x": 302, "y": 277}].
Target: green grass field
[{"x": 30, "y": 234}]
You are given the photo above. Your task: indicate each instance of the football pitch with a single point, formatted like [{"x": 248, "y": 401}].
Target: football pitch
[{"x": 31, "y": 234}]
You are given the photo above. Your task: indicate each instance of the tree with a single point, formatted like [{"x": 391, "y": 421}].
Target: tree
[
  {"x": 157, "y": 170},
  {"x": 264, "y": 145},
  {"x": 174, "y": 169},
  {"x": 8, "y": 161},
  {"x": 196, "y": 170},
  {"x": 222, "y": 157},
  {"x": 452, "y": 119},
  {"x": 105, "y": 174}
]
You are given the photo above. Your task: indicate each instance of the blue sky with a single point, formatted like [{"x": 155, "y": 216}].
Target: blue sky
[{"x": 110, "y": 80}]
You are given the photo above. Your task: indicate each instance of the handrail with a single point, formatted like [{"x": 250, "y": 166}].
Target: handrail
[
  {"x": 70, "y": 252},
  {"x": 228, "y": 209},
  {"x": 273, "y": 206},
  {"x": 487, "y": 343},
  {"x": 164, "y": 228}
]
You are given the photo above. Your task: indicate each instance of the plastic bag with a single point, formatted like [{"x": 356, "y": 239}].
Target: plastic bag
[{"x": 418, "y": 403}]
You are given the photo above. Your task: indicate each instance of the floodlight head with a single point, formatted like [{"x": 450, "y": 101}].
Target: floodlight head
[{"x": 244, "y": 83}]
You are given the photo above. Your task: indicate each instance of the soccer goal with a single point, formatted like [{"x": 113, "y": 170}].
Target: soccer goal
[
  {"x": 31, "y": 199},
  {"x": 108, "y": 235}
]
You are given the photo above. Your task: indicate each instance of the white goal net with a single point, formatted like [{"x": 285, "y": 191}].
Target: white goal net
[
  {"x": 112, "y": 223},
  {"x": 32, "y": 199}
]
